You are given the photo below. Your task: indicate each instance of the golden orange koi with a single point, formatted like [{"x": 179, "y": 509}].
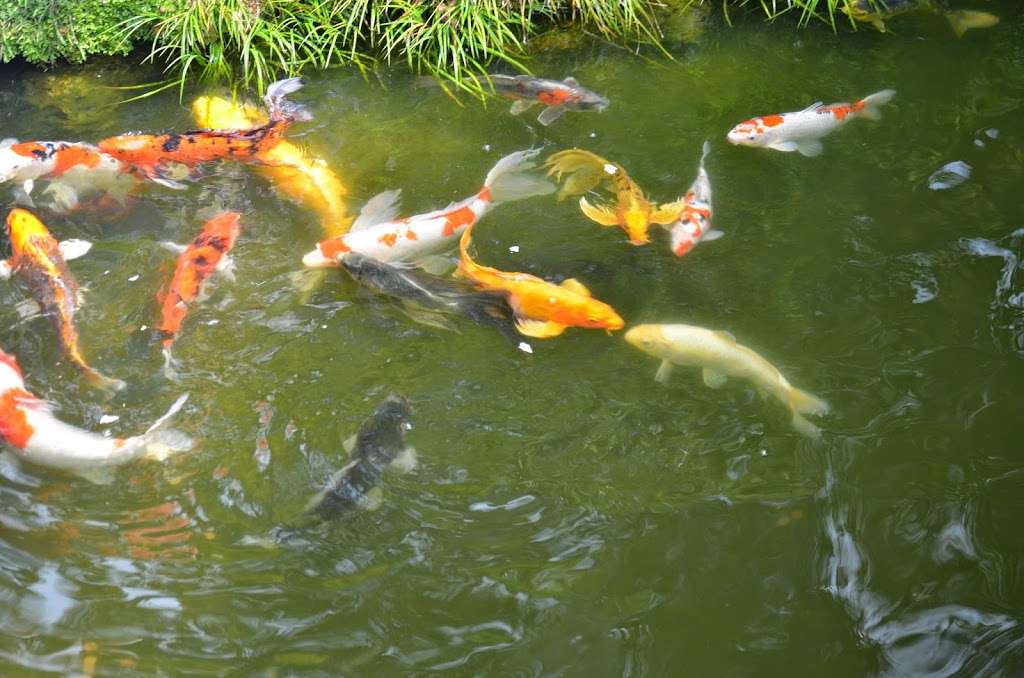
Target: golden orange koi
[
  {"x": 305, "y": 178},
  {"x": 541, "y": 309},
  {"x": 204, "y": 256},
  {"x": 148, "y": 154},
  {"x": 40, "y": 263},
  {"x": 632, "y": 211}
]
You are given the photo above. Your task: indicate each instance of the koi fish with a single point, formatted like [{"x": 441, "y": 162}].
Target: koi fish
[
  {"x": 541, "y": 309},
  {"x": 149, "y": 154},
  {"x": 378, "y": 234},
  {"x": 801, "y": 131},
  {"x": 205, "y": 255},
  {"x": 426, "y": 295},
  {"x": 41, "y": 264},
  {"x": 694, "y": 222},
  {"x": 632, "y": 211},
  {"x": 961, "y": 20},
  {"x": 80, "y": 168},
  {"x": 304, "y": 178},
  {"x": 380, "y": 443},
  {"x": 558, "y": 97},
  {"x": 720, "y": 357},
  {"x": 27, "y": 424}
]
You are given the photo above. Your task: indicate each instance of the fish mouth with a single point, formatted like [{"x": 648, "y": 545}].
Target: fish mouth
[{"x": 316, "y": 259}]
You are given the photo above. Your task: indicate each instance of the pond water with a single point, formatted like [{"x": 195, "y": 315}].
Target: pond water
[{"x": 569, "y": 515}]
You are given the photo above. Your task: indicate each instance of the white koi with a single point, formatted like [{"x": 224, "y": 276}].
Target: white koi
[
  {"x": 379, "y": 234},
  {"x": 801, "y": 130},
  {"x": 28, "y": 425},
  {"x": 694, "y": 222},
  {"x": 721, "y": 357}
]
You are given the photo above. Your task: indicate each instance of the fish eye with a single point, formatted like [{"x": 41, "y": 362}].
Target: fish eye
[{"x": 751, "y": 136}]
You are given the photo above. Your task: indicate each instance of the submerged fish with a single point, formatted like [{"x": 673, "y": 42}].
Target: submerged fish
[
  {"x": 632, "y": 211},
  {"x": 150, "y": 154},
  {"x": 379, "y": 443},
  {"x": 379, "y": 234},
  {"x": 27, "y": 424},
  {"x": 876, "y": 13},
  {"x": 559, "y": 97},
  {"x": 40, "y": 263},
  {"x": 76, "y": 168},
  {"x": 542, "y": 309},
  {"x": 801, "y": 131},
  {"x": 205, "y": 255},
  {"x": 694, "y": 222},
  {"x": 431, "y": 293},
  {"x": 721, "y": 357},
  {"x": 296, "y": 173}
]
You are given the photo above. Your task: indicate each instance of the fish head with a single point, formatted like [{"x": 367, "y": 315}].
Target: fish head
[
  {"x": 597, "y": 315},
  {"x": 224, "y": 227},
  {"x": 396, "y": 410},
  {"x": 23, "y": 161},
  {"x": 585, "y": 100},
  {"x": 747, "y": 133},
  {"x": 326, "y": 253},
  {"x": 358, "y": 265},
  {"x": 647, "y": 338},
  {"x": 635, "y": 223},
  {"x": 23, "y": 228}
]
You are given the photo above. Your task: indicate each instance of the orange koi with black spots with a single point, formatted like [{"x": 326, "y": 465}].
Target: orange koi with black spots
[
  {"x": 149, "y": 154},
  {"x": 204, "y": 256}
]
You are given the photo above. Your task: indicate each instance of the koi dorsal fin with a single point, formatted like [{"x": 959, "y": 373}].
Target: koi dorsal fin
[
  {"x": 378, "y": 209},
  {"x": 571, "y": 82},
  {"x": 574, "y": 285},
  {"x": 813, "y": 107}
]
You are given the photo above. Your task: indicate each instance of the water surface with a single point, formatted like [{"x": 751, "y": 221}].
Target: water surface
[{"x": 570, "y": 516}]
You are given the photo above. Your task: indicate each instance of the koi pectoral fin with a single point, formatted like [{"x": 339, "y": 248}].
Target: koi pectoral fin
[
  {"x": 74, "y": 248},
  {"x": 601, "y": 215},
  {"x": 5, "y": 270},
  {"x": 539, "y": 329},
  {"x": 550, "y": 114}
]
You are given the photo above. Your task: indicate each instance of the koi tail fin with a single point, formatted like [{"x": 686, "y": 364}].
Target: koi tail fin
[
  {"x": 171, "y": 365},
  {"x": 871, "y": 104},
  {"x": 103, "y": 382},
  {"x": 962, "y": 20},
  {"x": 511, "y": 179},
  {"x": 801, "y": 403},
  {"x": 705, "y": 150},
  {"x": 282, "y": 109},
  {"x": 584, "y": 170},
  {"x": 161, "y": 442}
]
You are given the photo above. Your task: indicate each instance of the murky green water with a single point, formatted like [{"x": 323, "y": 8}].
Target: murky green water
[{"x": 569, "y": 516}]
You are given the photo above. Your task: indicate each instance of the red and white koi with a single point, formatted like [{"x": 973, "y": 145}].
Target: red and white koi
[
  {"x": 694, "y": 222},
  {"x": 27, "y": 424},
  {"x": 205, "y": 255},
  {"x": 801, "y": 131},
  {"x": 75, "y": 169},
  {"x": 378, "y": 234}
]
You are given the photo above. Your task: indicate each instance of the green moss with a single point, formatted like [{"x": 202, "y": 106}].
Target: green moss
[{"x": 45, "y": 31}]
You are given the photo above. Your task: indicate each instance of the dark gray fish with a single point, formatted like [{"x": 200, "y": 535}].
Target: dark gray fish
[
  {"x": 558, "y": 96},
  {"x": 432, "y": 293},
  {"x": 380, "y": 441}
]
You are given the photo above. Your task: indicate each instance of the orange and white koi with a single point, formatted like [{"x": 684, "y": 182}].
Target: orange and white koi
[
  {"x": 694, "y": 222},
  {"x": 27, "y": 424},
  {"x": 79, "y": 167},
  {"x": 149, "y": 154},
  {"x": 40, "y": 263},
  {"x": 378, "y": 234},
  {"x": 542, "y": 309},
  {"x": 558, "y": 97},
  {"x": 298, "y": 174},
  {"x": 205, "y": 255},
  {"x": 632, "y": 211},
  {"x": 801, "y": 131}
]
